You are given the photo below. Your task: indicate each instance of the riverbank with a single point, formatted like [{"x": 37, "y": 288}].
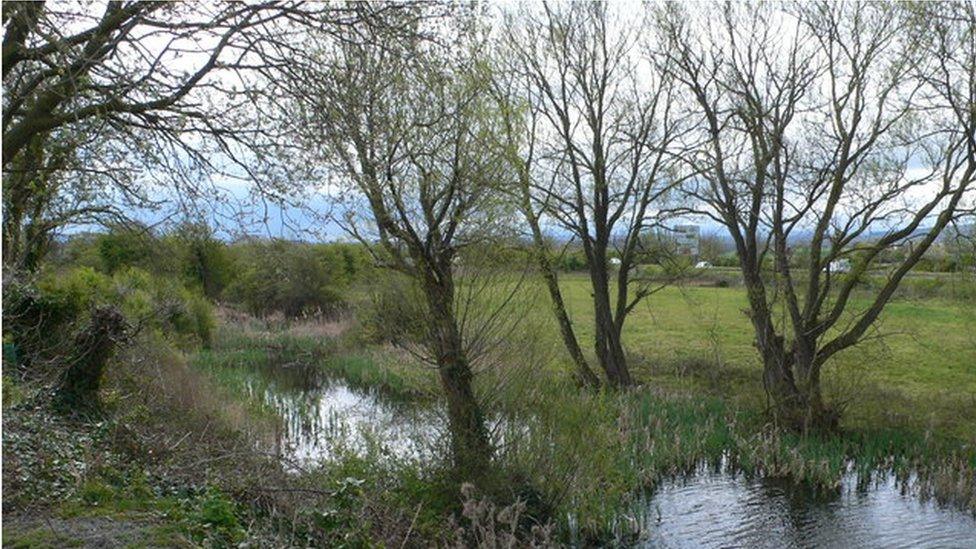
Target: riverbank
[
  {"x": 584, "y": 458},
  {"x": 194, "y": 449}
]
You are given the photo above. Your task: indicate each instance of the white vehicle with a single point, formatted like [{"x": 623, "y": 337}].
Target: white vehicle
[
  {"x": 703, "y": 265},
  {"x": 839, "y": 266}
]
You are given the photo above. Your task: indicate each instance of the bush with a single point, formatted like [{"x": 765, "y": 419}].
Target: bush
[
  {"x": 35, "y": 321},
  {"x": 178, "y": 313},
  {"x": 61, "y": 301},
  {"x": 205, "y": 262},
  {"x": 571, "y": 261},
  {"x": 126, "y": 246},
  {"x": 394, "y": 313},
  {"x": 295, "y": 279}
]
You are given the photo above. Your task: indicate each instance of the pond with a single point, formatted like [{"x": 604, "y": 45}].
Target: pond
[
  {"x": 714, "y": 507},
  {"x": 322, "y": 416},
  {"x": 719, "y": 508}
]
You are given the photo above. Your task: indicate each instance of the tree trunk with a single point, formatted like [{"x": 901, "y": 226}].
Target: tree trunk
[
  {"x": 791, "y": 378},
  {"x": 470, "y": 447},
  {"x": 609, "y": 349},
  {"x": 585, "y": 375},
  {"x": 792, "y": 382},
  {"x": 93, "y": 347},
  {"x": 817, "y": 416},
  {"x": 786, "y": 401}
]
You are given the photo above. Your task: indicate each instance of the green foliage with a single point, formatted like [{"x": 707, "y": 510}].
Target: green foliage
[
  {"x": 571, "y": 261},
  {"x": 394, "y": 313},
  {"x": 206, "y": 263},
  {"x": 163, "y": 304},
  {"x": 265, "y": 276},
  {"x": 40, "y": 316},
  {"x": 294, "y": 279},
  {"x": 947, "y": 286},
  {"x": 728, "y": 259},
  {"x": 126, "y": 247},
  {"x": 214, "y": 518},
  {"x": 38, "y": 321},
  {"x": 240, "y": 357}
]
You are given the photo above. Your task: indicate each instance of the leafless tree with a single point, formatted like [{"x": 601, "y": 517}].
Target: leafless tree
[
  {"x": 845, "y": 126},
  {"x": 517, "y": 143},
  {"x": 596, "y": 161}
]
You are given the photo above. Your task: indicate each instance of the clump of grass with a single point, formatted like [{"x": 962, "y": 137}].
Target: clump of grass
[
  {"x": 591, "y": 453},
  {"x": 295, "y": 346},
  {"x": 399, "y": 377}
]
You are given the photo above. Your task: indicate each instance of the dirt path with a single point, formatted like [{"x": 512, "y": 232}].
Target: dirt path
[{"x": 110, "y": 532}]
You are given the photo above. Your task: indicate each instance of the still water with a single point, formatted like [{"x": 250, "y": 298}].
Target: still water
[
  {"x": 711, "y": 508},
  {"x": 322, "y": 417},
  {"x": 724, "y": 509}
]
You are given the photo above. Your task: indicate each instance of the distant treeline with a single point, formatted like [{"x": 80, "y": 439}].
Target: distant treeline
[
  {"x": 265, "y": 276},
  {"x": 261, "y": 275}
]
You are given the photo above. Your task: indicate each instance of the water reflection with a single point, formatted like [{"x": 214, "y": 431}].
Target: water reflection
[
  {"x": 322, "y": 416},
  {"x": 723, "y": 509}
]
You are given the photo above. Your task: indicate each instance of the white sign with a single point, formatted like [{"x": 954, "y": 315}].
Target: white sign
[{"x": 686, "y": 237}]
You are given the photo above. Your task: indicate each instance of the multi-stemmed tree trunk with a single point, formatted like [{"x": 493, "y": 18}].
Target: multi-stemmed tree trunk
[
  {"x": 470, "y": 445},
  {"x": 806, "y": 141}
]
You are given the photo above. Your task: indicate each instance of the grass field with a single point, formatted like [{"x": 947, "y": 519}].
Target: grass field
[{"x": 917, "y": 369}]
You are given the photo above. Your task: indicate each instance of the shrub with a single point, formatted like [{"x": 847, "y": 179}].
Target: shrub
[
  {"x": 205, "y": 262},
  {"x": 295, "y": 279},
  {"x": 35, "y": 321},
  {"x": 39, "y": 316},
  {"x": 182, "y": 315},
  {"x": 122, "y": 247},
  {"x": 571, "y": 260},
  {"x": 394, "y": 313}
]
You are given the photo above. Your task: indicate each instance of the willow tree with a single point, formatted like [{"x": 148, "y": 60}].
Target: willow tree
[
  {"x": 400, "y": 128},
  {"x": 847, "y": 129},
  {"x": 597, "y": 163}
]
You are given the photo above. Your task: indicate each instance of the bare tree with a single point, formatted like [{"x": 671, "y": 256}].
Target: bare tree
[
  {"x": 517, "y": 142},
  {"x": 838, "y": 125},
  {"x": 597, "y": 162},
  {"x": 401, "y": 128}
]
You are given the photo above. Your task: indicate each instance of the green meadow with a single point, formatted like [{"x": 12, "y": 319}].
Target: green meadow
[{"x": 917, "y": 369}]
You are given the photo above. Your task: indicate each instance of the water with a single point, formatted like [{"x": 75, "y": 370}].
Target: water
[
  {"x": 338, "y": 417},
  {"x": 322, "y": 417},
  {"x": 712, "y": 508},
  {"x": 723, "y": 509}
]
